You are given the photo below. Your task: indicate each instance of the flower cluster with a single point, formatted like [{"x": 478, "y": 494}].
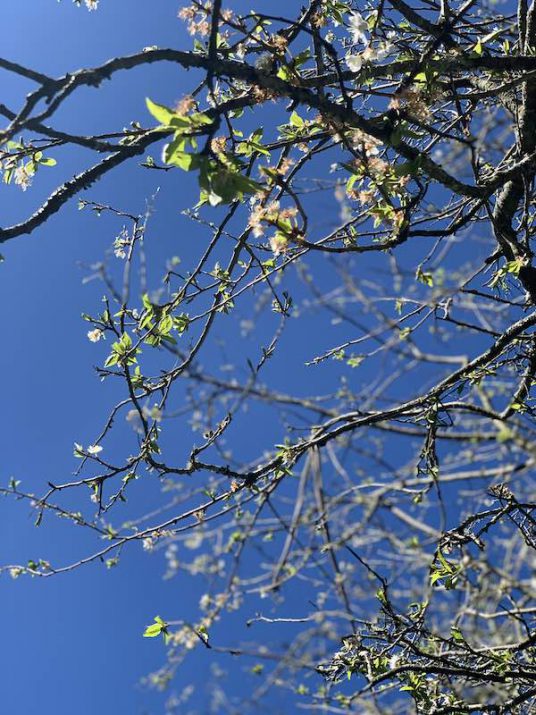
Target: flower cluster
[
  {"x": 368, "y": 144},
  {"x": 22, "y": 177},
  {"x": 285, "y": 166},
  {"x": 95, "y": 335},
  {"x": 270, "y": 214},
  {"x": 358, "y": 27},
  {"x": 283, "y": 220},
  {"x": 21, "y": 174},
  {"x": 375, "y": 182},
  {"x": 414, "y": 100},
  {"x": 278, "y": 42},
  {"x": 379, "y": 172},
  {"x": 189, "y": 637},
  {"x": 93, "y": 450},
  {"x": 20, "y": 163},
  {"x": 185, "y": 105},
  {"x": 149, "y": 542},
  {"x": 196, "y": 20},
  {"x": 121, "y": 243},
  {"x": 218, "y": 145},
  {"x": 149, "y": 413},
  {"x": 278, "y": 243}
]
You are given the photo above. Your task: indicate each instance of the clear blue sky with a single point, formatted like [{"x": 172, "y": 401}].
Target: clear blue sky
[{"x": 71, "y": 645}]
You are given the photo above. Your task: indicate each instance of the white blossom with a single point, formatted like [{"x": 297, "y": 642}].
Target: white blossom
[
  {"x": 134, "y": 420},
  {"x": 148, "y": 544},
  {"x": 94, "y": 449},
  {"x": 354, "y": 62},
  {"x": 358, "y": 28},
  {"x": 95, "y": 335},
  {"x": 154, "y": 413},
  {"x": 379, "y": 53},
  {"x": 204, "y": 601},
  {"x": 278, "y": 244},
  {"x": 22, "y": 177}
]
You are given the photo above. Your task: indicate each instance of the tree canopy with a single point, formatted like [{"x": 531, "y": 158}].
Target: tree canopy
[{"x": 330, "y": 381}]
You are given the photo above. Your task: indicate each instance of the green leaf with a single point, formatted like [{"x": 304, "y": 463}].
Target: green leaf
[
  {"x": 152, "y": 631},
  {"x": 155, "y": 629},
  {"x": 456, "y": 634},
  {"x": 182, "y": 159},
  {"x": 199, "y": 118},
  {"x": 161, "y": 113},
  {"x": 355, "y": 360},
  {"x": 111, "y": 360},
  {"x": 446, "y": 564},
  {"x": 296, "y": 120}
]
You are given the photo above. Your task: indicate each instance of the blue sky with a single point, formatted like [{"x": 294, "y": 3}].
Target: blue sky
[{"x": 70, "y": 644}]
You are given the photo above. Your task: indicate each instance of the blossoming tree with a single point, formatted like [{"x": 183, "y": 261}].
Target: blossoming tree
[{"x": 383, "y": 514}]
